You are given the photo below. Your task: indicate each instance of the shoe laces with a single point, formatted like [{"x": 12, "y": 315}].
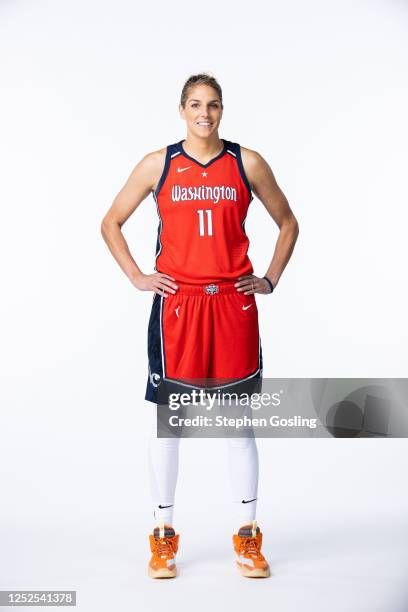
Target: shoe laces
[
  {"x": 164, "y": 547},
  {"x": 250, "y": 546}
]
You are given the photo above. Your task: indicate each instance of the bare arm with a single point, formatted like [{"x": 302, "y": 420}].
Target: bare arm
[
  {"x": 140, "y": 183},
  {"x": 265, "y": 187}
]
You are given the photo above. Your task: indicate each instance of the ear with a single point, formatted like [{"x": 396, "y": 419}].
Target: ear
[{"x": 181, "y": 111}]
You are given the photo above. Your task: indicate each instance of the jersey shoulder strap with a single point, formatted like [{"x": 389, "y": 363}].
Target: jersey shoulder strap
[
  {"x": 233, "y": 148},
  {"x": 172, "y": 150}
]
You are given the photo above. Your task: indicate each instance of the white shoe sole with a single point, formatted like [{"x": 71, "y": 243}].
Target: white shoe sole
[
  {"x": 163, "y": 572},
  {"x": 254, "y": 572}
]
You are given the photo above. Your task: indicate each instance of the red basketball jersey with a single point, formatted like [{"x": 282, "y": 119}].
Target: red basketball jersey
[{"x": 202, "y": 210}]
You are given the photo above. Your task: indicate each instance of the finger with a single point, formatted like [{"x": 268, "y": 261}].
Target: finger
[
  {"x": 166, "y": 288},
  {"x": 168, "y": 283},
  {"x": 245, "y": 285},
  {"x": 253, "y": 288},
  {"x": 167, "y": 276},
  {"x": 243, "y": 279}
]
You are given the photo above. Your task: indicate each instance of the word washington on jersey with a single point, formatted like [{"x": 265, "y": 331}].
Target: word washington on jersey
[{"x": 203, "y": 192}]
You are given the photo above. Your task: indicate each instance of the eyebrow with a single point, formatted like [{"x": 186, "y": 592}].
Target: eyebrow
[{"x": 195, "y": 100}]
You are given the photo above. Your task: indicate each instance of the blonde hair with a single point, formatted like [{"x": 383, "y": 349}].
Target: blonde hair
[{"x": 200, "y": 79}]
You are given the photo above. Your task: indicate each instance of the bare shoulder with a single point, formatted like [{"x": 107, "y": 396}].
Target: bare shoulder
[
  {"x": 154, "y": 161},
  {"x": 252, "y": 160},
  {"x": 155, "y": 158},
  {"x": 150, "y": 168},
  {"x": 256, "y": 167},
  {"x": 158, "y": 159}
]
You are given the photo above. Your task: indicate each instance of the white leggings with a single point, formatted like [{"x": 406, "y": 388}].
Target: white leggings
[{"x": 163, "y": 455}]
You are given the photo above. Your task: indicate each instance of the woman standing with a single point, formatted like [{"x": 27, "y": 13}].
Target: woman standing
[{"x": 204, "y": 290}]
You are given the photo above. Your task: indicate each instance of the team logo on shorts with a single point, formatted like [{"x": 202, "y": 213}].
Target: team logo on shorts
[
  {"x": 154, "y": 378},
  {"x": 211, "y": 289}
]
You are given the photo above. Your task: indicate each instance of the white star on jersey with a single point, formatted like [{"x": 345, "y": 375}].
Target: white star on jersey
[{"x": 204, "y": 173}]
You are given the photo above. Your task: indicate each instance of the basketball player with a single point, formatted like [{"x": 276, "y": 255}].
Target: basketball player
[{"x": 204, "y": 290}]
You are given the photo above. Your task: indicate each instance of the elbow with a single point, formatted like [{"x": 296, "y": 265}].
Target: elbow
[
  {"x": 104, "y": 227},
  {"x": 107, "y": 225},
  {"x": 109, "y": 228},
  {"x": 291, "y": 226},
  {"x": 295, "y": 227}
]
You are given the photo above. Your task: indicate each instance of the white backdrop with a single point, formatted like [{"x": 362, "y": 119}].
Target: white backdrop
[{"x": 88, "y": 88}]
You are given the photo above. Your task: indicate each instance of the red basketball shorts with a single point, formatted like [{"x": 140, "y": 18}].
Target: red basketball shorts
[{"x": 203, "y": 336}]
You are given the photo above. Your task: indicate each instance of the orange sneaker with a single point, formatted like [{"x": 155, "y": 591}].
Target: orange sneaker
[
  {"x": 164, "y": 545},
  {"x": 247, "y": 545}
]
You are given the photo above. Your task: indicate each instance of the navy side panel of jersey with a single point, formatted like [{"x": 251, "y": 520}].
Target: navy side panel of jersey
[{"x": 155, "y": 373}]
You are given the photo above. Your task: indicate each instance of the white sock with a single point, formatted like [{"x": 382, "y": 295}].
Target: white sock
[
  {"x": 244, "y": 475},
  {"x": 163, "y": 459}
]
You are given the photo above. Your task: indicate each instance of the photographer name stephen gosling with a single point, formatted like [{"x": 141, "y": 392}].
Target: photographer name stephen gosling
[{"x": 237, "y": 423}]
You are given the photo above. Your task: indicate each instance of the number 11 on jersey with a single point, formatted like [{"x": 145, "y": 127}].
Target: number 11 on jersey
[{"x": 202, "y": 224}]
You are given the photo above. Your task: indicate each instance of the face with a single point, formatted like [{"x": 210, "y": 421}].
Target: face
[{"x": 202, "y": 111}]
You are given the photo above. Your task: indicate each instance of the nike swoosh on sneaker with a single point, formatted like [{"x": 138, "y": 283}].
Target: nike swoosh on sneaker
[
  {"x": 246, "y": 307},
  {"x": 249, "y": 500},
  {"x": 165, "y": 506},
  {"x": 182, "y": 169}
]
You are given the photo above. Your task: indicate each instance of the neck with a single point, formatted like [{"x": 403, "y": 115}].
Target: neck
[{"x": 203, "y": 148}]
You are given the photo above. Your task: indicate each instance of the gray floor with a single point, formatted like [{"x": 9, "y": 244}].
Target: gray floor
[
  {"x": 338, "y": 565},
  {"x": 333, "y": 514}
]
